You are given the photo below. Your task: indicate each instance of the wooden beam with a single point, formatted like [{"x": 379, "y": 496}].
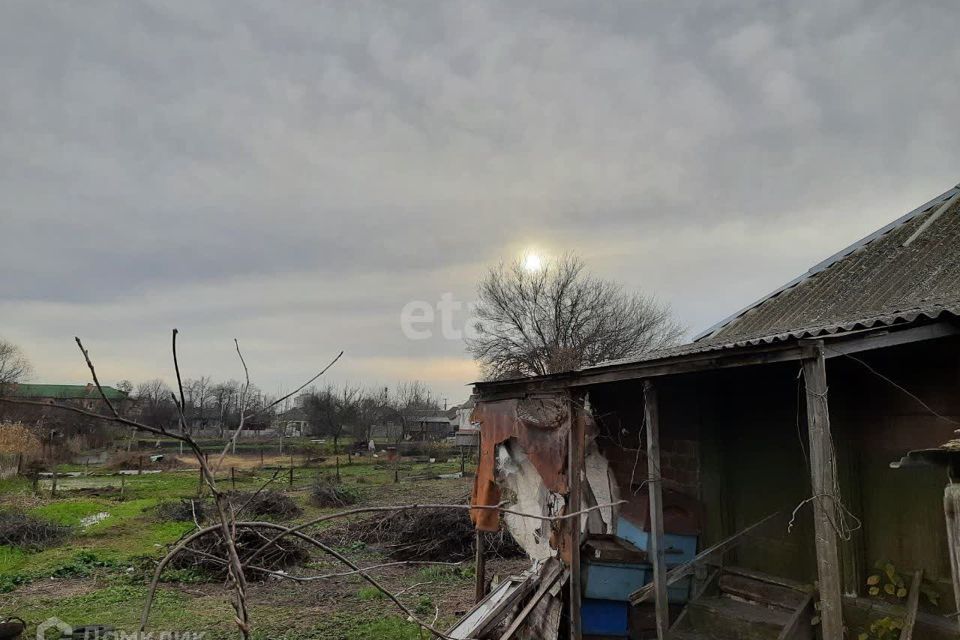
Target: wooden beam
[
  {"x": 690, "y": 363},
  {"x": 655, "y": 486},
  {"x": 796, "y": 619},
  {"x": 913, "y": 602},
  {"x": 838, "y": 344},
  {"x": 951, "y": 511},
  {"x": 677, "y": 574},
  {"x": 575, "y": 456},
  {"x": 481, "y": 568},
  {"x": 697, "y": 592},
  {"x": 843, "y": 344},
  {"x": 823, "y": 476},
  {"x": 550, "y": 578}
]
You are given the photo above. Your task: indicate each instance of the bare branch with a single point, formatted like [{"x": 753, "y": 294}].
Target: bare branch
[
  {"x": 300, "y": 388},
  {"x": 93, "y": 372},
  {"x": 176, "y": 367},
  {"x": 145, "y": 614}
]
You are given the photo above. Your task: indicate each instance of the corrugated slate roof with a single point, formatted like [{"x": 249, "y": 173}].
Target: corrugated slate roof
[{"x": 877, "y": 281}]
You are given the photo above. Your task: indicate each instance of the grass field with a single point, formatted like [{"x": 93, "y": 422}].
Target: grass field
[{"x": 99, "y": 575}]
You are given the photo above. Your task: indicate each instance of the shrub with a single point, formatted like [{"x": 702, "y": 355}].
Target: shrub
[{"x": 16, "y": 438}]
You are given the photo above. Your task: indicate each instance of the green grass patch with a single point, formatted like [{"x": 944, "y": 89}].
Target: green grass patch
[
  {"x": 440, "y": 574},
  {"x": 370, "y": 593},
  {"x": 69, "y": 512},
  {"x": 343, "y": 626}
]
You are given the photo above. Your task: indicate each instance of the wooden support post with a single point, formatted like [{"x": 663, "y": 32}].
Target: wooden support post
[
  {"x": 53, "y": 487},
  {"x": 575, "y": 455},
  {"x": 913, "y": 602},
  {"x": 823, "y": 476},
  {"x": 951, "y": 511},
  {"x": 481, "y": 568},
  {"x": 233, "y": 478},
  {"x": 655, "y": 488}
]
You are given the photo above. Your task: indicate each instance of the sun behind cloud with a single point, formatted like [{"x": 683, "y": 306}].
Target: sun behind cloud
[{"x": 532, "y": 261}]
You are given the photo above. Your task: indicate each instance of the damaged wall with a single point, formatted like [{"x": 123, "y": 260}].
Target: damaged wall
[
  {"x": 523, "y": 489},
  {"x": 523, "y": 462},
  {"x": 541, "y": 428}
]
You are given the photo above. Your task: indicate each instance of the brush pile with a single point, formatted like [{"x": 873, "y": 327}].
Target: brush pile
[
  {"x": 23, "y": 531},
  {"x": 270, "y": 504},
  {"x": 183, "y": 510},
  {"x": 445, "y": 535},
  {"x": 207, "y": 554},
  {"x": 327, "y": 493}
]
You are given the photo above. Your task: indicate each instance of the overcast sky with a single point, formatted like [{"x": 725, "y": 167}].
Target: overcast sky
[{"x": 293, "y": 173}]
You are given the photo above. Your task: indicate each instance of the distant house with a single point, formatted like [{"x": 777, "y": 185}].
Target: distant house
[
  {"x": 293, "y": 423},
  {"x": 468, "y": 433},
  {"x": 84, "y": 396},
  {"x": 420, "y": 425}
]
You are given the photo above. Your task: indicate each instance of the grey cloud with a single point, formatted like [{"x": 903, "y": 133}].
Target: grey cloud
[{"x": 326, "y": 162}]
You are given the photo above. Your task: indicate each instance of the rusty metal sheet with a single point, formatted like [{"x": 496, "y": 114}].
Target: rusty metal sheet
[{"x": 541, "y": 426}]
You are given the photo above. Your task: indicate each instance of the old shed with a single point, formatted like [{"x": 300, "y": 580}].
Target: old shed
[{"x": 741, "y": 485}]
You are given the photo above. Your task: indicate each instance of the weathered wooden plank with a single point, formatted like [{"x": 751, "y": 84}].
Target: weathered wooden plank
[
  {"x": 655, "y": 487},
  {"x": 551, "y": 574},
  {"x": 553, "y": 383},
  {"x": 490, "y": 611},
  {"x": 679, "y": 573},
  {"x": 871, "y": 339},
  {"x": 761, "y": 591},
  {"x": 913, "y": 602},
  {"x": 698, "y": 591},
  {"x": 575, "y": 456},
  {"x": 796, "y": 585},
  {"x": 823, "y": 476},
  {"x": 839, "y": 345},
  {"x": 481, "y": 568},
  {"x": 951, "y": 511},
  {"x": 796, "y": 620}
]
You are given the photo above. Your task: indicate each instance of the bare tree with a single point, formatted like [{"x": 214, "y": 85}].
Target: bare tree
[
  {"x": 559, "y": 318},
  {"x": 331, "y": 411},
  {"x": 154, "y": 404},
  {"x": 225, "y": 397},
  {"x": 197, "y": 393},
  {"x": 414, "y": 395},
  {"x": 368, "y": 414},
  {"x": 14, "y": 365}
]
